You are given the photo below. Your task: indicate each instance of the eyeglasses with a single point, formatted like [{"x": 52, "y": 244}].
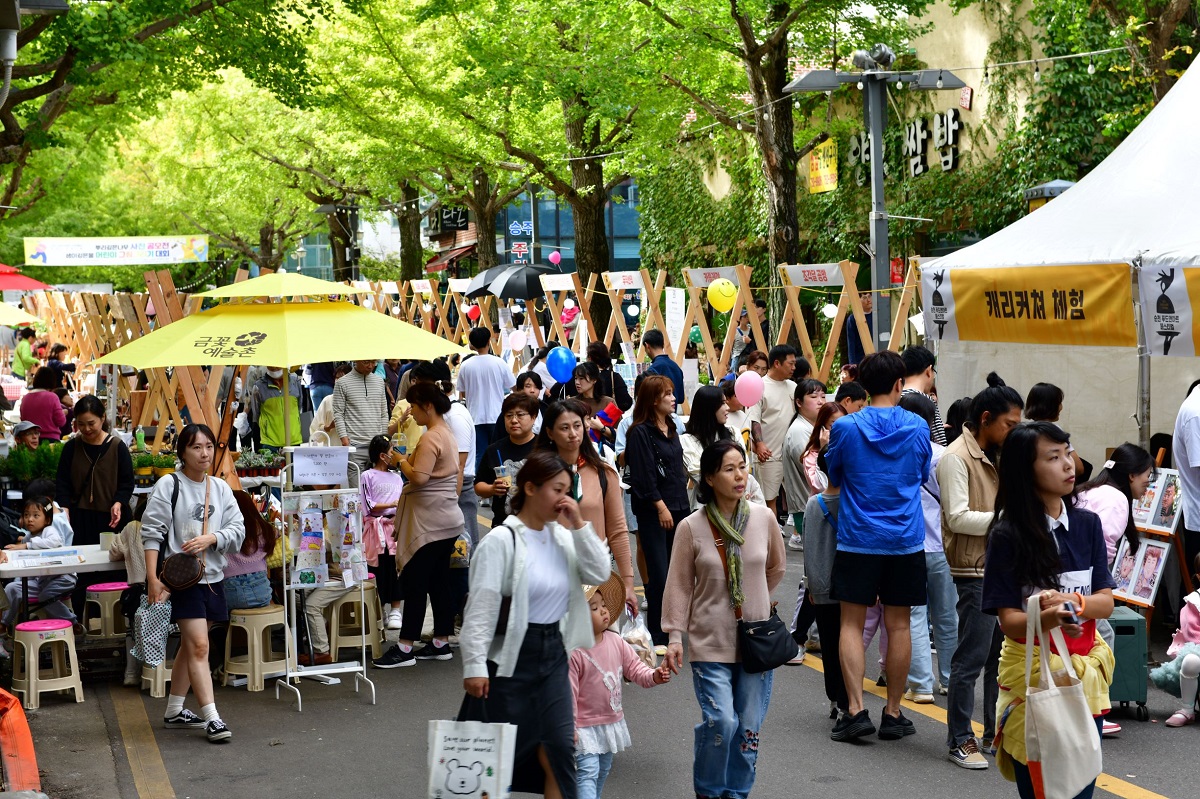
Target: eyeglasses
[{"x": 516, "y": 415}]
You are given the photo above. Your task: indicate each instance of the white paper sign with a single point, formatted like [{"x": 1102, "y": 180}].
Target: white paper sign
[
  {"x": 459, "y": 284},
  {"x": 703, "y": 278},
  {"x": 1167, "y": 310},
  {"x": 812, "y": 275},
  {"x": 938, "y": 290},
  {"x": 629, "y": 281},
  {"x": 691, "y": 379},
  {"x": 423, "y": 286},
  {"x": 676, "y": 313},
  {"x": 319, "y": 465},
  {"x": 557, "y": 283}
]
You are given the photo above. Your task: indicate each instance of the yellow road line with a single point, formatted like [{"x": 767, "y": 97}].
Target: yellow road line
[
  {"x": 1107, "y": 782},
  {"x": 150, "y": 778}
]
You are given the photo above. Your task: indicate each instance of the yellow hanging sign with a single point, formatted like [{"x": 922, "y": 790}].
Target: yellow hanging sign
[{"x": 823, "y": 167}]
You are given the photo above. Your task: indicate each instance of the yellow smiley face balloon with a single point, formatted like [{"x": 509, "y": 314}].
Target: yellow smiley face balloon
[{"x": 721, "y": 294}]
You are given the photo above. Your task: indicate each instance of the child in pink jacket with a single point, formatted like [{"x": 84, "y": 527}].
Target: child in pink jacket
[{"x": 596, "y": 677}]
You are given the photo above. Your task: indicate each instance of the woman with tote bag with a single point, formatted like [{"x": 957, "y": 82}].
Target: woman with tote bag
[{"x": 1046, "y": 555}]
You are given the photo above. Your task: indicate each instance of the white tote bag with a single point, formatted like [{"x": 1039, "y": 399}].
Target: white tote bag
[
  {"x": 1061, "y": 740},
  {"x": 470, "y": 759}
]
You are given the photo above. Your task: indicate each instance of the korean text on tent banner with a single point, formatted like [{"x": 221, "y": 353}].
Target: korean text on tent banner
[
  {"x": 1166, "y": 293},
  {"x": 116, "y": 251},
  {"x": 1084, "y": 305}
]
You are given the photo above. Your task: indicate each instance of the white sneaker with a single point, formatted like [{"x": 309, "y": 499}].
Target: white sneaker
[
  {"x": 918, "y": 697},
  {"x": 796, "y": 661},
  {"x": 394, "y": 619},
  {"x": 796, "y": 543}
]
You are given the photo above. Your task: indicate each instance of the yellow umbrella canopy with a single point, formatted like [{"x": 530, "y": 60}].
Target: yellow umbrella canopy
[
  {"x": 283, "y": 284},
  {"x": 12, "y": 315},
  {"x": 280, "y": 334}
]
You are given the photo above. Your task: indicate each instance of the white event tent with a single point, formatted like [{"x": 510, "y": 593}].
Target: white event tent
[{"x": 1139, "y": 207}]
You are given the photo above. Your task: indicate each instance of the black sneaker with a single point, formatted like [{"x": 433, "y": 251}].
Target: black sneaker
[
  {"x": 432, "y": 652},
  {"x": 185, "y": 720},
  {"x": 850, "y": 727},
  {"x": 217, "y": 731},
  {"x": 893, "y": 728},
  {"x": 394, "y": 658}
]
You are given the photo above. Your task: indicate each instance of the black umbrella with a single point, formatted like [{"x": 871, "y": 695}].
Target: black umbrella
[
  {"x": 520, "y": 281},
  {"x": 478, "y": 287}
]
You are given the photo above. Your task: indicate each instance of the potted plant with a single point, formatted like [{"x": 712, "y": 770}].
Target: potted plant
[
  {"x": 164, "y": 464},
  {"x": 19, "y": 465},
  {"x": 143, "y": 464}
]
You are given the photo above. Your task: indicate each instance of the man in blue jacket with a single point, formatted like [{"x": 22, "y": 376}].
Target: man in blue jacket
[
  {"x": 661, "y": 363},
  {"x": 879, "y": 457}
]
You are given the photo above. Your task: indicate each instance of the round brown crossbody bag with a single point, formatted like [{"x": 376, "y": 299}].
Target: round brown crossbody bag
[{"x": 181, "y": 571}]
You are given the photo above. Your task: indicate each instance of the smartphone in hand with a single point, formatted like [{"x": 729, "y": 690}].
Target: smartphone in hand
[{"x": 1074, "y": 617}]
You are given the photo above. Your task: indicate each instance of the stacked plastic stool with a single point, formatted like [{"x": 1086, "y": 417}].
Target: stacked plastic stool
[
  {"x": 31, "y": 680},
  {"x": 102, "y": 606},
  {"x": 345, "y": 625}
]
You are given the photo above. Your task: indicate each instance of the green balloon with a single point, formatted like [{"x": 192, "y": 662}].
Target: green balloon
[{"x": 694, "y": 336}]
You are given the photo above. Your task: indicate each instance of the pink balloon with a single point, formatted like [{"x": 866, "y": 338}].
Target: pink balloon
[
  {"x": 517, "y": 339},
  {"x": 555, "y": 258},
  {"x": 748, "y": 388}
]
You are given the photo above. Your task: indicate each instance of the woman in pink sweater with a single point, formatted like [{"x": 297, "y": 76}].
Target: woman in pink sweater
[
  {"x": 596, "y": 677},
  {"x": 43, "y": 407},
  {"x": 699, "y": 601}
]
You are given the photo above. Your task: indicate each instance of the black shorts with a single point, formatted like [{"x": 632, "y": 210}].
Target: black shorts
[
  {"x": 201, "y": 601},
  {"x": 894, "y": 580}
]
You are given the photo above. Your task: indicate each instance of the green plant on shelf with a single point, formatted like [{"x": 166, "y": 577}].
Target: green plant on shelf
[
  {"x": 143, "y": 460},
  {"x": 164, "y": 461}
]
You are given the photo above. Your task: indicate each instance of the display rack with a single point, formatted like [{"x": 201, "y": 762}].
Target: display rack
[{"x": 346, "y": 504}]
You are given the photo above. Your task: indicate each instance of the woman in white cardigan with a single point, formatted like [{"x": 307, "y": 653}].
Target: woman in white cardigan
[{"x": 525, "y": 615}]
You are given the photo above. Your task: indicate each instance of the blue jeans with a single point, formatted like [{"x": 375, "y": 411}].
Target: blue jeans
[
  {"x": 590, "y": 773},
  {"x": 40, "y": 589},
  {"x": 483, "y": 437},
  {"x": 317, "y": 394},
  {"x": 1025, "y": 784},
  {"x": 979, "y": 640},
  {"x": 941, "y": 614},
  {"x": 733, "y": 706},
  {"x": 244, "y": 591}
]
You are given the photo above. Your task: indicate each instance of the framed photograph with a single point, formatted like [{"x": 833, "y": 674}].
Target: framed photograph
[
  {"x": 1168, "y": 501},
  {"x": 1125, "y": 570},
  {"x": 1152, "y": 561},
  {"x": 1142, "y": 508}
]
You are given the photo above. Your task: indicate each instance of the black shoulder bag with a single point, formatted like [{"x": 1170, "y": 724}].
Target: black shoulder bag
[{"x": 763, "y": 645}]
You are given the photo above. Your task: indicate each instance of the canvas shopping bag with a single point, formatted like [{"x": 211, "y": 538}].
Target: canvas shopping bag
[
  {"x": 470, "y": 759},
  {"x": 1061, "y": 740}
]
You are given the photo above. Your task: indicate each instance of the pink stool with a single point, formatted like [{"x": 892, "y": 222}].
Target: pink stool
[
  {"x": 31, "y": 636},
  {"x": 107, "y": 620}
]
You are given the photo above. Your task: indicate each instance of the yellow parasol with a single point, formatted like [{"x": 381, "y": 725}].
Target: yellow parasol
[
  {"x": 12, "y": 315},
  {"x": 280, "y": 334},
  {"x": 283, "y": 284}
]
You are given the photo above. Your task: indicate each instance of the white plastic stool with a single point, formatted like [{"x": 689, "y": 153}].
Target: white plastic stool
[
  {"x": 32, "y": 681},
  {"x": 156, "y": 677},
  {"x": 260, "y": 659},
  {"x": 102, "y": 606}
]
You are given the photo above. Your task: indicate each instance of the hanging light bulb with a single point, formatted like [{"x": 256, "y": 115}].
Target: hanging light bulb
[
  {"x": 568, "y": 304},
  {"x": 940, "y": 83},
  {"x": 739, "y": 125},
  {"x": 766, "y": 114},
  {"x": 1091, "y": 65},
  {"x": 860, "y": 85},
  {"x": 586, "y": 166},
  {"x": 368, "y": 303},
  {"x": 466, "y": 306},
  {"x": 1037, "y": 73},
  {"x": 829, "y": 310},
  {"x": 986, "y": 78},
  {"x": 396, "y": 309},
  {"x": 633, "y": 311},
  {"x": 426, "y": 307}
]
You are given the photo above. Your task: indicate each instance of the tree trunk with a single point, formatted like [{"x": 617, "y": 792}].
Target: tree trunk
[
  {"x": 486, "y": 210},
  {"x": 265, "y": 257},
  {"x": 412, "y": 257},
  {"x": 588, "y": 201},
  {"x": 340, "y": 242},
  {"x": 774, "y": 130}
]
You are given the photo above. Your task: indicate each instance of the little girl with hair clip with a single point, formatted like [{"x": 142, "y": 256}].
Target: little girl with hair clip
[
  {"x": 1181, "y": 675},
  {"x": 596, "y": 677},
  {"x": 37, "y": 519}
]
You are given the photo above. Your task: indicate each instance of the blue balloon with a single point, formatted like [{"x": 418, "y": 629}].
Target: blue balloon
[{"x": 561, "y": 363}]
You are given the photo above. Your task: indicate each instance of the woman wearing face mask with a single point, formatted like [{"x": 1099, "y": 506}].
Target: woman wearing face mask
[{"x": 519, "y": 673}]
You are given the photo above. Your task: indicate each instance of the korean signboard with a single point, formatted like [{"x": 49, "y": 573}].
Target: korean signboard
[
  {"x": 1166, "y": 293},
  {"x": 812, "y": 275},
  {"x": 823, "y": 167},
  {"x": 703, "y": 278},
  {"x": 117, "y": 251},
  {"x": 1089, "y": 305}
]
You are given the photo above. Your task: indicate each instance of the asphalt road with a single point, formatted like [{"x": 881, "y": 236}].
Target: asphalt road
[{"x": 341, "y": 745}]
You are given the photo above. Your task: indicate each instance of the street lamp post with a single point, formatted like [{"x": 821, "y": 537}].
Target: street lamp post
[{"x": 873, "y": 80}]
